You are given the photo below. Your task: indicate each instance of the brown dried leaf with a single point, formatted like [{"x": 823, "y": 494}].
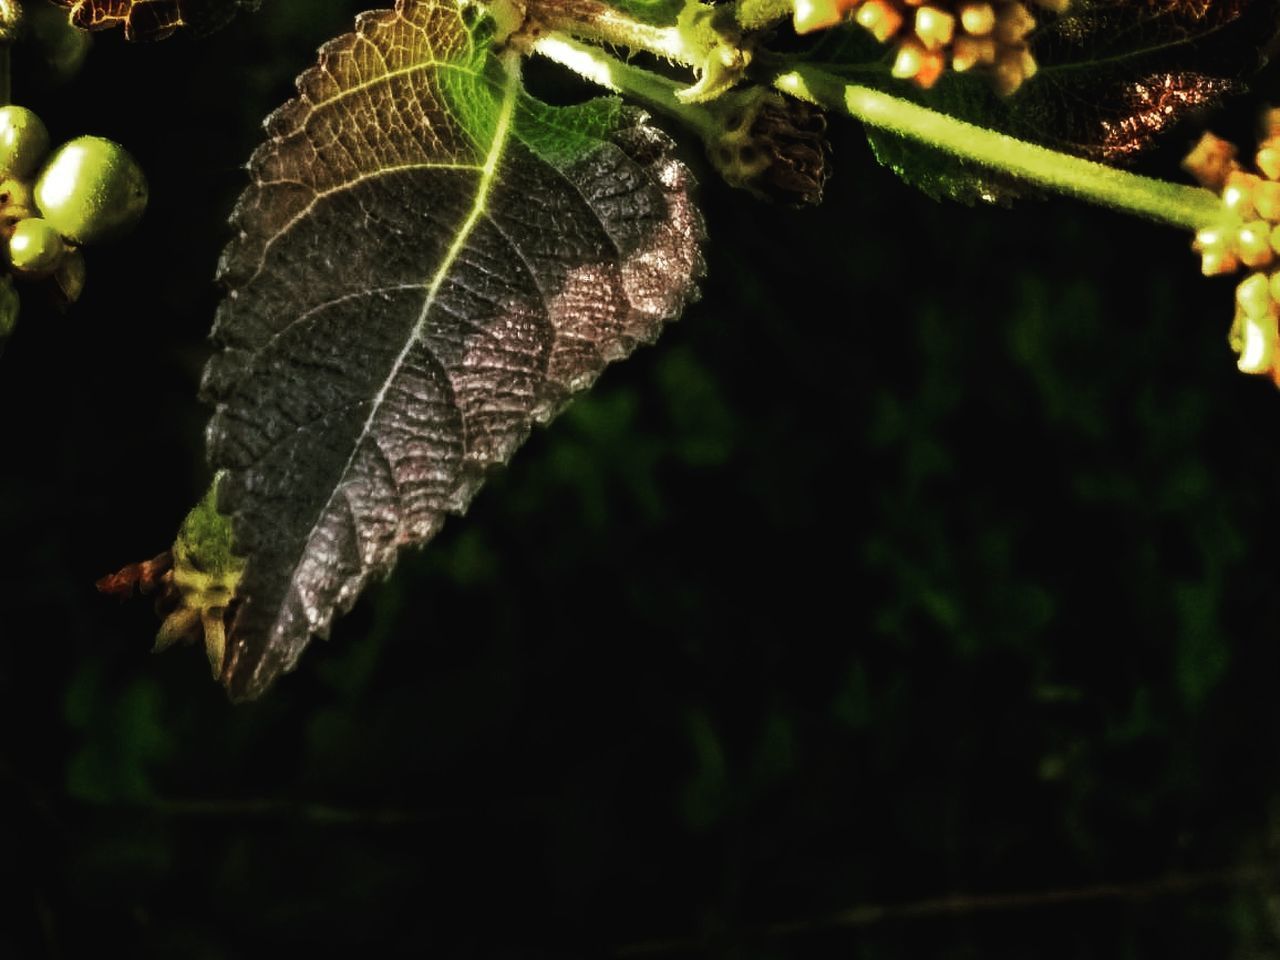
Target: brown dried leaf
[{"x": 153, "y": 19}]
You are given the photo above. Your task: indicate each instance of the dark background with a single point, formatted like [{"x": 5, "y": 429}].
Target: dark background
[{"x": 930, "y": 555}]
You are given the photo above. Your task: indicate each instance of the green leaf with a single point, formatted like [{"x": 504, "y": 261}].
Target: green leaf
[
  {"x": 154, "y": 19},
  {"x": 428, "y": 262},
  {"x": 657, "y": 12},
  {"x": 1114, "y": 76}
]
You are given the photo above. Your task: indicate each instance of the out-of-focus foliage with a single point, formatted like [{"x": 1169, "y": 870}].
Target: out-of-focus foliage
[{"x": 805, "y": 608}]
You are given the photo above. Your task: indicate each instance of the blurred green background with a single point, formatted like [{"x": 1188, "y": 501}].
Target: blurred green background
[{"x": 931, "y": 554}]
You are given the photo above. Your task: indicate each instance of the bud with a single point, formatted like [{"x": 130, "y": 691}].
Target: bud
[
  {"x": 929, "y": 35},
  {"x": 1248, "y": 235}
]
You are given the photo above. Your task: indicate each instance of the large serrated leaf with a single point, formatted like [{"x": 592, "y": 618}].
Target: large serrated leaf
[
  {"x": 1114, "y": 75},
  {"x": 428, "y": 262},
  {"x": 154, "y": 19}
]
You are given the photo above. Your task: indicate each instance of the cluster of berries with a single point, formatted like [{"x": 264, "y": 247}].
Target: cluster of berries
[
  {"x": 932, "y": 34},
  {"x": 1248, "y": 237},
  {"x": 86, "y": 191}
]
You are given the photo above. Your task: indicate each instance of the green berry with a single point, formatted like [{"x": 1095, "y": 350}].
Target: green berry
[
  {"x": 91, "y": 190},
  {"x": 23, "y": 141},
  {"x": 35, "y": 247}
]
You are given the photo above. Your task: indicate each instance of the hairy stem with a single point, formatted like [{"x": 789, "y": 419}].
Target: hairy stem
[
  {"x": 1171, "y": 203},
  {"x": 656, "y": 92},
  {"x": 599, "y": 22}
]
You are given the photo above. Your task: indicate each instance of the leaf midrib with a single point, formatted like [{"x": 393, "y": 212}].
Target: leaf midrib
[{"x": 488, "y": 172}]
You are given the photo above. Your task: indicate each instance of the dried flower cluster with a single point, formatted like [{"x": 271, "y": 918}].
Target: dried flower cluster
[
  {"x": 934, "y": 34},
  {"x": 1248, "y": 237},
  {"x": 194, "y": 583},
  {"x": 772, "y": 145}
]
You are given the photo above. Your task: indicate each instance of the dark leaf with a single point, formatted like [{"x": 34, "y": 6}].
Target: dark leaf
[
  {"x": 1113, "y": 76},
  {"x": 154, "y": 19},
  {"x": 428, "y": 262}
]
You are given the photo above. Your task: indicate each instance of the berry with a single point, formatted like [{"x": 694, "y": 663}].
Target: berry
[
  {"x": 23, "y": 141},
  {"x": 91, "y": 190},
  {"x": 35, "y": 248}
]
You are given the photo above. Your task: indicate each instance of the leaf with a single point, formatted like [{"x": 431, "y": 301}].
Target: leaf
[
  {"x": 154, "y": 19},
  {"x": 1114, "y": 76},
  {"x": 428, "y": 262}
]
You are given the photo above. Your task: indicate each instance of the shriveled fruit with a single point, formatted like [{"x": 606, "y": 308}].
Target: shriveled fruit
[{"x": 91, "y": 190}]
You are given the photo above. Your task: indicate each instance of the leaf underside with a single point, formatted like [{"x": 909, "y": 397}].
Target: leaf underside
[
  {"x": 1114, "y": 76},
  {"x": 154, "y": 19},
  {"x": 428, "y": 262}
]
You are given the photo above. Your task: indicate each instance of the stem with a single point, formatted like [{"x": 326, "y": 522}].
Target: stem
[
  {"x": 1258, "y": 877},
  {"x": 653, "y": 90},
  {"x": 597, "y": 21},
  {"x": 1176, "y": 204}
]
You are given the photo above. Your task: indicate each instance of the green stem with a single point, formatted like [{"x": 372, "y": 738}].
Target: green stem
[
  {"x": 653, "y": 90},
  {"x": 598, "y": 21},
  {"x": 1182, "y": 206}
]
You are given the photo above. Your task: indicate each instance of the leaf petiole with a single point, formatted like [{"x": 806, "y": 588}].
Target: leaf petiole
[{"x": 655, "y": 91}]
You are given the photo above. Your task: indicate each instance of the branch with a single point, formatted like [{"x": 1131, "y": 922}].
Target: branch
[
  {"x": 964, "y": 905},
  {"x": 1193, "y": 208}
]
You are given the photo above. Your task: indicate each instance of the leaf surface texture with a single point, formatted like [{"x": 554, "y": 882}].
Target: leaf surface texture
[{"x": 428, "y": 261}]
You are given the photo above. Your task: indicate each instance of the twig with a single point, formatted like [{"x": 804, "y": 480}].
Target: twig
[
  {"x": 293, "y": 811},
  {"x": 964, "y": 905}
]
